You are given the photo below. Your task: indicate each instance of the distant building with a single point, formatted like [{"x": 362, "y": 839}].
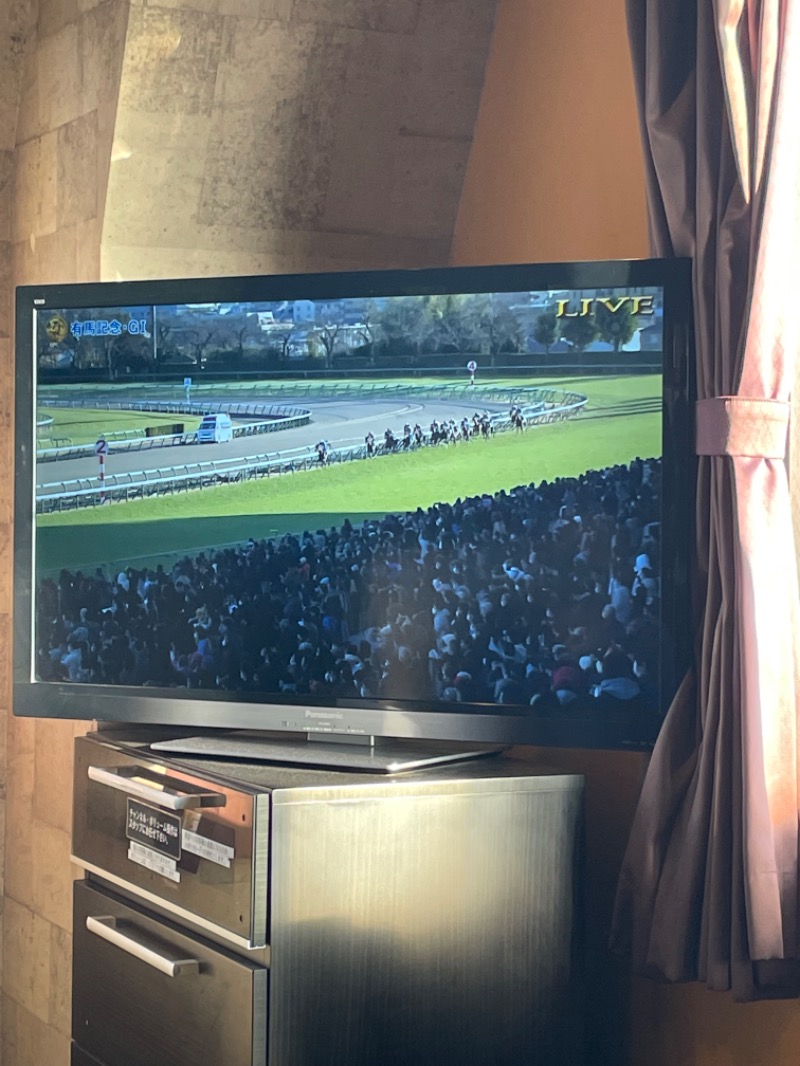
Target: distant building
[{"x": 304, "y": 311}]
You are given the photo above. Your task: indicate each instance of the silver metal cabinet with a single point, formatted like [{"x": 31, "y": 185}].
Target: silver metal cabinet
[
  {"x": 412, "y": 920},
  {"x": 145, "y": 991}
]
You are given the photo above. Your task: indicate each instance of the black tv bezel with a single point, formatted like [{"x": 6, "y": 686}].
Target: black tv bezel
[{"x": 381, "y": 718}]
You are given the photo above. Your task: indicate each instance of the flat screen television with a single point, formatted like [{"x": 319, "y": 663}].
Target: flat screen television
[{"x": 449, "y": 504}]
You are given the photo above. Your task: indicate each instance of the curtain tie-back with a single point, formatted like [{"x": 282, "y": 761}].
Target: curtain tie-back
[{"x": 740, "y": 425}]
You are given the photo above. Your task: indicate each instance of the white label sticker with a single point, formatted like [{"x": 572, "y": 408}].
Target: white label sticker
[
  {"x": 205, "y": 848},
  {"x": 160, "y": 864}
]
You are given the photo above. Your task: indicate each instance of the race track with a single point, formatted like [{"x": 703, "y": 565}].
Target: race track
[{"x": 339, "y": 422}]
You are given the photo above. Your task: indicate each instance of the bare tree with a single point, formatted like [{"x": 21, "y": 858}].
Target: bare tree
[
  {"x": 200, "y": 340},
  {"x": 326, "y": 336}
]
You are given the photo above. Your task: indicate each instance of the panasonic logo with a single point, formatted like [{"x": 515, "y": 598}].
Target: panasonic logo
[{"x": 323, "y": 714}]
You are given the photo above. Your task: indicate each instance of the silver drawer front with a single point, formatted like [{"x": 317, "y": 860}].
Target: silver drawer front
[
  {"x": 127, "y": 1009},
  {"x": 225, "y": 825}
]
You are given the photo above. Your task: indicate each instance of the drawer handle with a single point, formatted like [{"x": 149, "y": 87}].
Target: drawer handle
[
  {"x": 107, "y": 928},
  {"x": 157, "y": 788}
]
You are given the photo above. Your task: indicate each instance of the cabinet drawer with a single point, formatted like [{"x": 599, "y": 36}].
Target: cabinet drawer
[
  {"x": 198, "y": 847},
  {"x": 146, "y": 992}
]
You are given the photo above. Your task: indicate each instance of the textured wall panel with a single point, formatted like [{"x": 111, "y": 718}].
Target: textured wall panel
[
  {"x": 241, "y": 123},
  {"x": 273, "y": 132},
  {"x": 400, "y": 16},
  {"x": 171, "y": 59}
]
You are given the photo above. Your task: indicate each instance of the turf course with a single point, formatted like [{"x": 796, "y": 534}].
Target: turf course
[
  {"x": 156, "y": 530},
  {"x": 83, "y": 425}
]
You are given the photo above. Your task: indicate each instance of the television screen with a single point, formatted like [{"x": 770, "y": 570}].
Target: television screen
[{"x": 451, "y": 504}]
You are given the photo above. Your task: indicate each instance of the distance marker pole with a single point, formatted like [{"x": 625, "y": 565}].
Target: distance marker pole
[{"x": 101, "y": 449}]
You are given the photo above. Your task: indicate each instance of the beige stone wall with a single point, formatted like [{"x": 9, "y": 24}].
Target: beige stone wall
[
  {"x": 14, "y": 21},
  {"x": 57, "y": 114},
  {"x": 64, "y": 131},
  {"x": 284, "y": 135},
  {"x": 144, "y": 138}
]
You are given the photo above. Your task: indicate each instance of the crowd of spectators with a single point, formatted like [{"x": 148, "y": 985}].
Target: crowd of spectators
[{"x": 544, "y": 596}]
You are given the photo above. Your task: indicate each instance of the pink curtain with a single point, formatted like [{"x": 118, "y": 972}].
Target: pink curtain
[{"x": 709, "y": 885}]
